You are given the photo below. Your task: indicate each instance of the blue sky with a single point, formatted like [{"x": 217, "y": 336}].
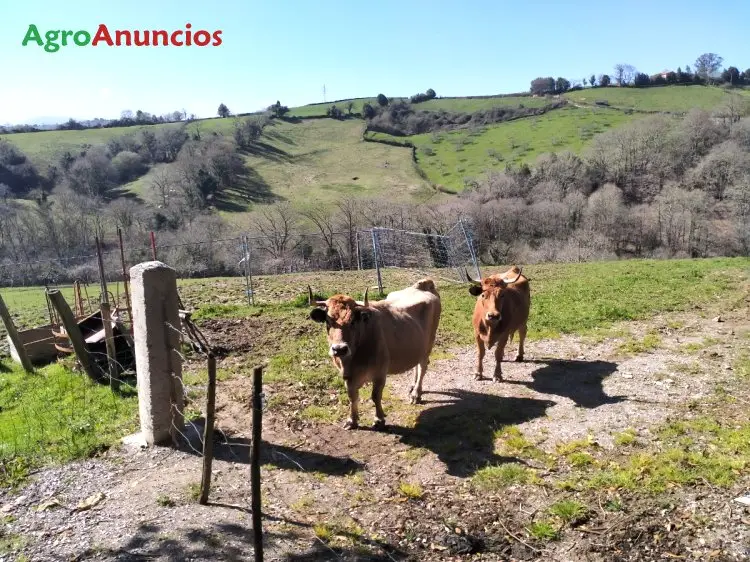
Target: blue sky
[{"x": 287, "y": 50}]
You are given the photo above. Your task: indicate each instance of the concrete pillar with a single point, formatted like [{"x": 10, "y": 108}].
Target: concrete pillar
[{"x": 156, "y": 325}]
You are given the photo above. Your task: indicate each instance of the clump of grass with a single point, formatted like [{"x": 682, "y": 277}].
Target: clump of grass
[
  {"x": 580, "y": 458},
  {"x": 569, "y": 511},
  {"x": 497, "y": 477},
  {"x": 649, "y": 342},
  {"x": 543, "y": 531},
  {"x": 627, "y": 437},
  {"x": 319, "y": 413},
  {"x": 411, "y": 491},
  {"x": 323, "y": 532},
  {"x": 194, "y": 490},
  {"x": 165, "y": 501},
  {"x": 576, "y": 445}
]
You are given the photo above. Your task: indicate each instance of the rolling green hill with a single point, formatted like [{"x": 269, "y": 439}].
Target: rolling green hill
[
  {"x": 664, "y": 98},
  {"x": 307, "y": 160},
  {"x": 449, "y": 157}
]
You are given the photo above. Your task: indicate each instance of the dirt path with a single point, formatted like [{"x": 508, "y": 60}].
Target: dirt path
[{"x": 401, "y": 494}]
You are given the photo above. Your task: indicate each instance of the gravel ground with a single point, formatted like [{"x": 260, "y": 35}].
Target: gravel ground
[{"x": 133, "y": 504}]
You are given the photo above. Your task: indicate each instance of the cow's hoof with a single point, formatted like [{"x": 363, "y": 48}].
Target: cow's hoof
[
  {"x": 350, "y": 424},
  {"x": 519, "y": 358},
  {"x": 478, "y": 376},
  {"x": 415, "y": 399},
  {"x": 378, "y": 425},
  {"x": 497, "y": 378}
]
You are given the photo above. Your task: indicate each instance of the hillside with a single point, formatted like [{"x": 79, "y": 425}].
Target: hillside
[
  {"x": 318, "y": 158},
  {"x": 571, "y": 180}
]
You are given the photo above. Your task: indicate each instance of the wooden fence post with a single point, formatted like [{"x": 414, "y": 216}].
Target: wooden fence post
[
  {"x": 255, "y": 462},
  {"x": 73, "y": 331},
  {"x": 14, "y": 337},
  {"x": 114, "y": 374},
  {"x": 208, "y": 431}
]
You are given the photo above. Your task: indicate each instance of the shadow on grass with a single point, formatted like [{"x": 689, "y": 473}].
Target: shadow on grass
[
  {"x": 581, "y": 381},
  {"x": 268, "y": 151},
  {"x": 461, "y": 429},
  {"x": 250, "y": 188}
]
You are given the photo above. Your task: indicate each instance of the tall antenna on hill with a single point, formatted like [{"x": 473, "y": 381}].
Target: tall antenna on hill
[{"x": 324, "y": 93}]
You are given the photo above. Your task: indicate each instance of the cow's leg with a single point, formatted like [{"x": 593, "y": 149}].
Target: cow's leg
[
  {"x": 414, "y": 379},
  {"x": 416, "y": 390},
  {"x": 521, "y": 338},
  {"x": 378, "y": 384},
  {"x": 478, "y": 369},
  {"x": 353, "y": 392},
  {"x": 499, "y": 355}
]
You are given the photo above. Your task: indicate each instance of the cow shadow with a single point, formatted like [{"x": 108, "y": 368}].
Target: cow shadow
[
  {"x": 461, "y": 429},
  {"x": 236, "y": 449},
  {"x": 580, "y": 381}
]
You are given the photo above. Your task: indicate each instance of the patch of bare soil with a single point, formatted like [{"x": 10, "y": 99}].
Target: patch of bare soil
[{"x": 406, "y": 493}]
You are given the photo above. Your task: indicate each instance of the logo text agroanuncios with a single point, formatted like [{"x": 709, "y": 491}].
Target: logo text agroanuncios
[{"x": 54, "y": 39}]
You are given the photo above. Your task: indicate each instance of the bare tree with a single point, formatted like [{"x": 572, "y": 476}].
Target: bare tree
[
  {"x": 624, "y": 73},
  {"x": 322, "y": 217},
  {"x": 278, "y": 228},
  {"x": 707, "y": 64}
]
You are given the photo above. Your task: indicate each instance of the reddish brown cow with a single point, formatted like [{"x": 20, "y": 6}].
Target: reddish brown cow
[
  {"x": 502, "y": 308},
  {"x": 369, "y": 340}
]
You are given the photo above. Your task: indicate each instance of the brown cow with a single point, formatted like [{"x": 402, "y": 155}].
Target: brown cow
[
  {"x": 502, "y": 308},
  {"x": 369, "y": 340}
]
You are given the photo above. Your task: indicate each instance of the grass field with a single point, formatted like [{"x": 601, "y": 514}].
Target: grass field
[
  {"x": 666, "y": 98},
  {"x": 449, "y": 157},
  {"x": 319, "y": 109},
  {"x": 46, "y": 147},
  {"x": 470, "y": 105},
  {"x": 320, "y": 160},
  {"x": 568, "y": 299}
]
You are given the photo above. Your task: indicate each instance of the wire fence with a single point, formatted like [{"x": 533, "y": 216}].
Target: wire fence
[{"x": 89, "y": 279}]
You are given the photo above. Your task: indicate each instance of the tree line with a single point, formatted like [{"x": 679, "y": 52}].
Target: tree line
[{"x": 706, "y": 71}]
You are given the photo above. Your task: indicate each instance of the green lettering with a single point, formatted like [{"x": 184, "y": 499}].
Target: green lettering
[
  {"x": 65, "y": 36},
  {"x": 51, "y": 36},
  {"x": 32, "y": 34},
  {"x": 82, "y": 42}
]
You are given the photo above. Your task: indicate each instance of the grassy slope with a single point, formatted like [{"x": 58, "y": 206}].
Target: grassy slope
[
  {"x": 573, "y": 298},
  {"x": 319, "y": 158},
  {"x": 466, "y": 153},
  {"x": 469, "y": 105},
  {"x": 667, "y": 98},
  {"x": 46, "y": 147}
]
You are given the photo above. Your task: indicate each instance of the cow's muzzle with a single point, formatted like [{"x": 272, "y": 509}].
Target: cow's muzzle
[
  {"x": 492, "y": 316},
  {"x": 339, "y": 350}
]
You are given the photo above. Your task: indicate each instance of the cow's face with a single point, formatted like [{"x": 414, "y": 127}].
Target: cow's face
[
  {"x": 346, "y": 324},
  {"x": 491, "y": 292}
]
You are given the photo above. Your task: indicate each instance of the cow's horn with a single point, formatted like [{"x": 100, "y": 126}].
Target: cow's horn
[
  {"x": 310, "y": 298},
  {"x": 366, "y": 302},
  {"x": 471, "y": 279}
]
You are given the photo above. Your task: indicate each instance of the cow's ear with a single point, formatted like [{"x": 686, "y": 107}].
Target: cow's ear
[
  {"x": 318, "y": 315},
  {"x": 475, "y": 290}
]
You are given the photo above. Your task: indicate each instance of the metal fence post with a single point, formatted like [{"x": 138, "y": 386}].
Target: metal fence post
[
  {"x": 471, "y": 248},
  {"x": 248, "y": 273},
  {"x": 375, "y": 257}
]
